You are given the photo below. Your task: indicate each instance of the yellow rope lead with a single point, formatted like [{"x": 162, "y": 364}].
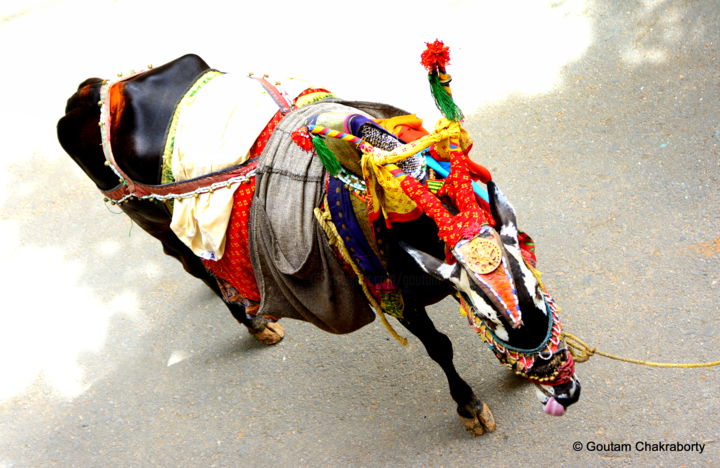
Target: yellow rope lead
[
  {"x": 582, "y": 352},
  {"x": 334, "y": 239}
]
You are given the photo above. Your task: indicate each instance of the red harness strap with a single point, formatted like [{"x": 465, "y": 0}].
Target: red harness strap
[
  {"x": 176, "y": 189},
  {"x": 128, "y": 187}
]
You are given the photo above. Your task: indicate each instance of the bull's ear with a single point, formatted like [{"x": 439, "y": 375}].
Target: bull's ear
[
  {"x": 503, "y": 213},
  {"x": 433, "y": 266}
]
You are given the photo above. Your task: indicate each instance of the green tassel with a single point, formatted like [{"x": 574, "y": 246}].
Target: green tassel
[
  {"x": 326, "y": 156},
  {"x": 443, "y": 100}
]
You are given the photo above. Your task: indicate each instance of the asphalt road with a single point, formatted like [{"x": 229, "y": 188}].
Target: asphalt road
[{"x": 600, "y": 122}]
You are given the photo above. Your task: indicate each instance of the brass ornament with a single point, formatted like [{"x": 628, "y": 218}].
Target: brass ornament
[{"x": 481, "y": 255}]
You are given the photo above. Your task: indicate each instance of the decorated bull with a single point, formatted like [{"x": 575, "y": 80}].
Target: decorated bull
[{"x": 337, "y": 212}]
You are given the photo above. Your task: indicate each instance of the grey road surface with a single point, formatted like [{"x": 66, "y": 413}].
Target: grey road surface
[{"x": 599, "y": 120}]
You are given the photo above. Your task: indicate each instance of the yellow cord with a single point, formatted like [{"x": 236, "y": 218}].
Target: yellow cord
[
  {"x": 582, "y": 352},
  {"x": 323, "y": 217}
]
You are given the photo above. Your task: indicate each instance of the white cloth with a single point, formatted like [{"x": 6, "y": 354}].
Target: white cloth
[{"x": 215, "y": 129}]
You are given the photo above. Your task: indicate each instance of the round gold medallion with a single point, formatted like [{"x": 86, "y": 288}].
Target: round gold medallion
[{"x": 481, "y": 255}]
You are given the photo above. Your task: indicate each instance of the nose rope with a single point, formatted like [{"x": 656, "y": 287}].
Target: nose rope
[{"x": 581, "y": 352}]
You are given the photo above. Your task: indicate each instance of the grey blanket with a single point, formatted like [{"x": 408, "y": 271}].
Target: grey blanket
[{"x": 297, "y": 273}]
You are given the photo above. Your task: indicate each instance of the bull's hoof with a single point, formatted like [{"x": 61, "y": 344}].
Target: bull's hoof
[
  {"x": 271, "y": 334},
  {"x": 481, "y": 423}
]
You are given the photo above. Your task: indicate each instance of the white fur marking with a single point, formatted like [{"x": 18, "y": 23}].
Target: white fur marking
[
  {"x": 529, "y": 280},
  {"x": 509, "y": 230},
  {"x": 480, "y": 305},
  {"x": 447, "y": 271}
]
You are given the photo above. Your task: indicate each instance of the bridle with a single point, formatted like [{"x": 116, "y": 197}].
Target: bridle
[{"x": 522, "y": 360}]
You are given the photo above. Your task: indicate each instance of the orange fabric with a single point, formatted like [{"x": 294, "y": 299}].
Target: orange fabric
[
  {"x": 406, "y": 127},
  {"x": 117, "y": 104},
  {"x": 482, "y": 172},
  {"x": 500, "y": 283}
]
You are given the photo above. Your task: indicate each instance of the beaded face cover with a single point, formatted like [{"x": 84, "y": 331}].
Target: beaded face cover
[{"x": 547, "y": 364}]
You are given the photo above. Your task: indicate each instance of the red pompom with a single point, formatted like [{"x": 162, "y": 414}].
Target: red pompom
[{"x": 435, "y": 56}]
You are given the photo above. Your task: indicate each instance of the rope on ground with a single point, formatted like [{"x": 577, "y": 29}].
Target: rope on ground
[{"x": 581, "y": 352}]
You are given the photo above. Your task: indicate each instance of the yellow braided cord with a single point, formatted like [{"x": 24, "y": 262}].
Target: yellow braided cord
[
  {"x": 334, "y": 239},
  {"x": 582, "y": 352},
  {"x": 445, "y": 130}
]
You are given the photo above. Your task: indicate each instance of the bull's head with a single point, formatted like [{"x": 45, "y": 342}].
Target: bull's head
[{"x": 501, "y": 295}]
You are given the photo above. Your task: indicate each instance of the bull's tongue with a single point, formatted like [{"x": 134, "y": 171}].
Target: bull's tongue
[{"x": 553, "y": 408}]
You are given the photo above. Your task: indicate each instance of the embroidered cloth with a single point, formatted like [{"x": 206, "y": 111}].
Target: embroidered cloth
[
  {"x": 235, "y": 267},
  {"x": 297, "y": 272}
]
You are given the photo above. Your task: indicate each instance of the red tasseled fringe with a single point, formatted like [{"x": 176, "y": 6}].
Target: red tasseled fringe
[{"x": 301, "y": 137}]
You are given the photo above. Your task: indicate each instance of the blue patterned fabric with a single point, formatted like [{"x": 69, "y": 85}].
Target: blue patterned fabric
[{"x": 343, "y": 216}]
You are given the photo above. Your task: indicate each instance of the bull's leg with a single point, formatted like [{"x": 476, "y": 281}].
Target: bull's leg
[
  {"x": 265, "y": 331},
  {"x": 475, "y": 414},
  {"x": 155, "y": 220}
]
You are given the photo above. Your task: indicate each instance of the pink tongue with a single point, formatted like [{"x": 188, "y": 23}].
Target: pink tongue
[{"x": 553, "y": 408}]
